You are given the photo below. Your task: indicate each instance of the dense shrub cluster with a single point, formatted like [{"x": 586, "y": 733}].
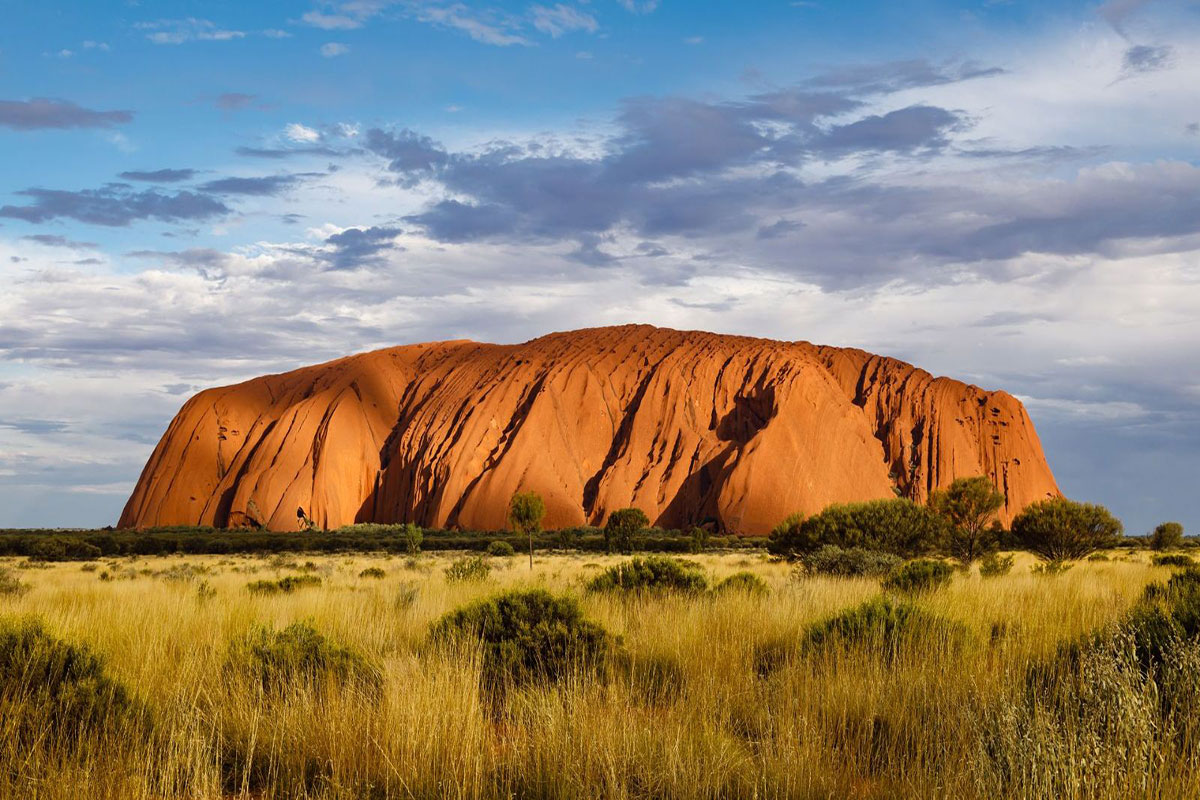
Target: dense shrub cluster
[
  {"x": 897, "y": 526},
  {"x": 53, "y": 688},
  {"x": 360, "y": 538},
  {"x": 1063, "y": 530},
  {"x": 1167, "y": 536},
  {"x": 921, "y": 575},
  {"x": 1173, "y": 560},
  {"x": 10, "y": 583},
  {"x": 299, "y": 656},
  {"x": 527, "y": 636},
  {"x": 621, "y": 528},
  {"x": 651, "y": 574},
  {"x": 378, "y": 573},
  {"x": 849, "y": 562}
]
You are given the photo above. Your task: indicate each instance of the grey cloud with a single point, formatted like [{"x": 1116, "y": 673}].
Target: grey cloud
[
  {"x": 1000, "y": 319},
  {"x": 114, "y": 205},
  {"x": 407, "y": 152},
  {"x": 287, "y": 152},
  {"x": 42, "y": 112},
  {"x": 234, "y": 101},
  {"x": 38, "y": 427},
  {"x": 897, "y": 75},
  {"x": 1147, "y": 58},
  {"x": 159, "y": 175},
  {"x": 781, "y": 227},
  {"x": 355, "y": 247},
  {"x": 1192, "y": 128},
  {"x": 52, "y": 240},
  {"x": 903, "y": 130},
  {"x": 263, "y": 186}
]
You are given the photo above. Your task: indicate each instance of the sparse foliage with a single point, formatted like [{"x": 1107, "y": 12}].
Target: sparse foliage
[{"x": 969, "y": 506}]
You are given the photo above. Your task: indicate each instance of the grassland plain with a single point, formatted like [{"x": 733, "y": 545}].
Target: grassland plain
[{"x": 946, "y": 713}]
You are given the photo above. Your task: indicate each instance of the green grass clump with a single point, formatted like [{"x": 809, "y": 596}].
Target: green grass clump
[
  {"x": 285, "y": 585},
  {"x": 921, "y": 575},
  {"x": 879, "y": 622},
  {"x": 650, "y": 574},
  {"x": 468, "y": 570},
  {"x": 299, "y": 656},
  {"x": 745, "y": 582},
  {"x": 527, "y": 636},
  {"x": 373, "y": 572}
]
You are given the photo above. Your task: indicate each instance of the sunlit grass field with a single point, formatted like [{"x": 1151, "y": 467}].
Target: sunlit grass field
[{"x": 694, "y": 716}]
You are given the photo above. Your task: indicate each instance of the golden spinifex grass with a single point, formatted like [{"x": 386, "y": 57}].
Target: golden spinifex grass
[{"x": 946, "y": 712}]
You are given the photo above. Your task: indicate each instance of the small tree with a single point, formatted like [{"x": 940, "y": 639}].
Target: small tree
[
  {"x": 412, "y": 538},
  {"x": 699, "y": 540},
  {"x": 623, "y": 524},
  {"x": 525, "y": 512},
  {"x": 1167, "y": 536},
  {"x": 969, "y": 506},
  {"x": 1063, "y": 530}
]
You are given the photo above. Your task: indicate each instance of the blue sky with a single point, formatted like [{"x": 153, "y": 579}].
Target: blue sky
[{"x": 196, "y": 193}]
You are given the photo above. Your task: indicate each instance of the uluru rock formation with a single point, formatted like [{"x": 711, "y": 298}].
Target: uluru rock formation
[{"x": 691, "y": 427}]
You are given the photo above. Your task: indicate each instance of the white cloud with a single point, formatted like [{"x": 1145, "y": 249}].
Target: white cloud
[
  {"x": 178, "y": 31},
  {"x": 559, "y": 19},
  {"x": 333, "y": 49},
  {"x": 301, "y": 133}
]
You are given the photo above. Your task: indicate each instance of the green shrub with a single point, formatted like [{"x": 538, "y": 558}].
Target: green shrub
[
  {"x": 853, "y": 562},
  {"x": 501, "y": 549},
  {"x": 527, "y": 636},
  {"x": 468, "y": 570},
  {"x": 299, "y": 656},
  {"x": 1173, "y": 560},
  {"x": 697, "y": 540},
  {"x": 1063, "y": 530},
  {"x": 1167, "y": 536},
  {"x": 285, "y": 585},
  {"x": 969, "y": 506},
  {"x": 1098, "y": 557},
  {"x": 994, "y": 565},
  {"x": 915, "y": 577},
  {"x": 622, "y": 525},
  {"x": 744, "y": 582},
  {"x": 55, "y": 688},
  {"x": 655, "y": 678},
  {"x": 55, "y": 548},
  {"x": 10, "y": 583},
  {"x": 373, "y": 572},
  {"x": 878, "y": 622},
  {"x": 896, "y": 526},
  {"x": 1050, "y": 569},
  {"x": 650, "y": 574}
]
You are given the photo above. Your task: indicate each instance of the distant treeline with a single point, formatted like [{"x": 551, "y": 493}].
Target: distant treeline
[{"x": 77, "y": 545}]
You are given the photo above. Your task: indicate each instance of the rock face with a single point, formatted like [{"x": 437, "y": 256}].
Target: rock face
[{"x": 690, "y": 427}]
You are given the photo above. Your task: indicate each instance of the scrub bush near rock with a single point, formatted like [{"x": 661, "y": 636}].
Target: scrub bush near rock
[{"x": 651, "y": 574}]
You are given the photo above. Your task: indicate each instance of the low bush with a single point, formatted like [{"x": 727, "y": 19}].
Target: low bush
[
  {"x": 10, "y": 584},
  {"x": 994, "y": 565},
  {"x": 921, "y": 575},
  {"x": 299, "y": 656},
  {"x": 743, "y": 582},
  {"x": 56, "y": 548},
  {"x": 51, "y": 689},
  {"x": 468, "y": 570},
  {"x": 527, "y": 636},
  {"x": 500, "y": 549},
  {"x": 650, "y": 574},
  {"x": 896, "y": 526},
  {"x": 285, "y": 585},
  {"x": 1173, "y": 560},
  {"x": 1050, "y": 569},
  {"x": 853, "y": 562},
  {"x": 1062, "y": 530},
  {"x": 879, "y": 623},
  {"x": 373, "y": 572}
]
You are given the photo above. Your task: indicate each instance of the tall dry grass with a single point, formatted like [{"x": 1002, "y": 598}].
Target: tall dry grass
[{"x": 948, "y": 714}]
